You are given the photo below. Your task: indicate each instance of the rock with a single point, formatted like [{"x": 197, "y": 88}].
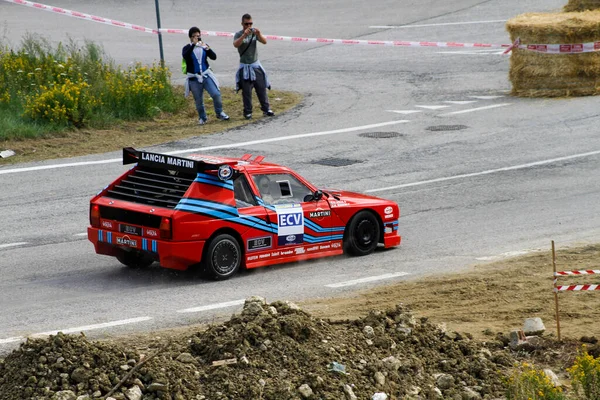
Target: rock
[
  {"x": 64, "y": 395},
  {"x": 379, "y": 378},
  {"x": 533, "y": 326},
  {"x": 256, "y": 299},
  {"x": 406, "y": 331},
  {"x": 134, "y": 393},
  {"x": 444, "y": 381},
  {"x": 368, "y": 331},
  {"x": 392, "y": 363},
  {"x": 516, "y": 338},
  {"x": 292, "y": 306},
  {"x": 349, "y": 393},
  {"x": 253, "y": 309},
  {"x": 305, "y": 391},
  {"x": 272, "y": 310},
  {"x": 84, "y": 397},
  {"x": 186, "y": 358},
  {"x": 436, "y": 393},
  {"x": 470, "y": 394},
  {"x": 553, "y": 378},
  {"x": 379, "y": 396},
  {"x": 157, "y": 387},
  {"x": 139, "y": 383},
  {"x": 79, "y": 375}
]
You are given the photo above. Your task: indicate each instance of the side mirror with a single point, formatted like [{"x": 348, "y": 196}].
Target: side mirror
[{"x": 317, "y": 195}]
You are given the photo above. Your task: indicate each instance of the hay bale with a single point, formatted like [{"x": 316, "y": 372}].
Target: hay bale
[
  {"x": 581, "y": 5},
  {"x": 534, "y": 74}
]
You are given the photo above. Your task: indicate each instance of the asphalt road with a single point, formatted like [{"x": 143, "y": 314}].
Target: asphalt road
[{"x": 478, "y": 174}]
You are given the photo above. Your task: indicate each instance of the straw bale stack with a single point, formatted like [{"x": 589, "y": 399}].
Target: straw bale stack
[
  {"x": 534, "y": 74},
  {"x": 581, "y": 5}
]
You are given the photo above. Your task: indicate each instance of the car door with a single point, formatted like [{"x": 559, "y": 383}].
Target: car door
[{"x": 301, "y": 224}]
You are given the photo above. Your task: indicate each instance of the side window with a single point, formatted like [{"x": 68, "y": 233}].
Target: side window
[
  {"x": 243, "y": 194},
  {"x": 280, "y": 188}
]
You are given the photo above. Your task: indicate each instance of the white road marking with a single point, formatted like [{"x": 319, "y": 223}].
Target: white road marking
[
  {"x": 461, "y": 102},
  {"x": 487, "y": 97},
  {"x": 433, "y": 107},
  {"x": 12, "y": 340},
  {"x": 438, "y": 24},
  {"x": 487, "y": 172},
  {"x": 4, "y": 246},
  {"x": 78, "y": 329},
  {"x": 367, "y": 279},
  {"x": 213, "y": 306},
  {"x": 476, "y": 109},
  {"x": 222, "y": 146},
  {"x": 405, "y": 111},
  {"x": 509, "y": 254},
  {"x": 81, "y": 234}
]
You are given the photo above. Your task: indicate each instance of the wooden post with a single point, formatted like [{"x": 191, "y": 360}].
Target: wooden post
[{"x": 555, "y": 279}]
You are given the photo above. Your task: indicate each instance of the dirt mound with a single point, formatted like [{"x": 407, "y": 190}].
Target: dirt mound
[{"x": 269, "y": 351}]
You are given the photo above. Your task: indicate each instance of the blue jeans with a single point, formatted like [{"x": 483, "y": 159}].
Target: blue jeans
[{"x": 197, "y": 89}]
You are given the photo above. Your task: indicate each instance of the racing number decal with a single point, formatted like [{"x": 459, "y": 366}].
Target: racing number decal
[{"x": 290, "y": 225}]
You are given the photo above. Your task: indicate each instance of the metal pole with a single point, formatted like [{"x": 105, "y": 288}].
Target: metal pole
[
  {"x": 555, "y": 277},
  {"x": 160, "y": 44}
]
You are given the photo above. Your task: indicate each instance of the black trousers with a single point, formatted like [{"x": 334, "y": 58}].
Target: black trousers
[{"x": 260, "y": 86}]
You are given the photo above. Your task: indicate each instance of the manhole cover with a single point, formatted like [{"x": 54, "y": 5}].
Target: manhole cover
[
  {"x": 381, "y": 135},
  {"x": 336, "y": 162},
  {"x": 437, "y": 128}
]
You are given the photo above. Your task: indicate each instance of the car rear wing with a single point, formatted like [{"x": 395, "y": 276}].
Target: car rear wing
[{"x": 165, "y": 161}]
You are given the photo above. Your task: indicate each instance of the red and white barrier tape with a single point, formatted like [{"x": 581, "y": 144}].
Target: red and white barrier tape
[
  {"x": 88, "y": 17},
  {"x": 579, "y": 272},
  {"x": 576, "y": 288},
  {"x": 573, "y": 48}
]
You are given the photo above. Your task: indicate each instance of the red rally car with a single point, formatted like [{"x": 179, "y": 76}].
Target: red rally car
[{"x": 224, "y": 214}]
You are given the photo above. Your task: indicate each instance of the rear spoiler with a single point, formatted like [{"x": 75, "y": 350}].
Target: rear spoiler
[{"x": 165, "y": 161}]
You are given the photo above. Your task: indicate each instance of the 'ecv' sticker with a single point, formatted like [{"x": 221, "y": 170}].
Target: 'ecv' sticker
[
  {"x": 259, "y": 243},
  {"x": 290, "y": 225}
]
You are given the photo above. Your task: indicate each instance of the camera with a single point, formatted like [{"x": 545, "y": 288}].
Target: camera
[{"x": 252, "y": 30}]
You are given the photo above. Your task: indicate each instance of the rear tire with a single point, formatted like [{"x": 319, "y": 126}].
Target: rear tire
[
  {"x": 223, "y": 257},
  {"x": 135, "y": 259},
  {"x": 362, "y": 235}
]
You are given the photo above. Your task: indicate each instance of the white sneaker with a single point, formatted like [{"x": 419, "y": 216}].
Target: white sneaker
[
  {"x": 223, "y": 116},
  {"x": 202, "y": 121}
]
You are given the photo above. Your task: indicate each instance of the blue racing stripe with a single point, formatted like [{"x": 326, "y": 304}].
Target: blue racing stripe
[
  {"x": 253, "y": 222},
  {"x": 154, "y": 246},
  {"x": 211, "y": 204},
  {"x": 317, "y": 228}
]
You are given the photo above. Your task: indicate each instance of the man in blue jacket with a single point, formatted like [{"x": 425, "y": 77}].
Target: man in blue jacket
[{"x": 199, "y": 76}]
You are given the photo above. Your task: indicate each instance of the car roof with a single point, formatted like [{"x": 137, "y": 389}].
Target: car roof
[{"x": 252, "y": 166}]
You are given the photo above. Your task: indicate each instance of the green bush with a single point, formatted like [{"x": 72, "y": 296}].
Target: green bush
[
  {"x": 529, "y": 383},
  {"x": 585, "y": 375},
  {"x": 75, "y": 86}
]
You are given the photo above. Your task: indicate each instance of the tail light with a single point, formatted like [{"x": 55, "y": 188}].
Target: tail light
[
  {"x": 165, "y": 228},
  {"x": 95, "y": 215}
]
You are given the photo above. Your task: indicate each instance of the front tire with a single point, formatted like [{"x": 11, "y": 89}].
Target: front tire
[
  {"x": 363, "y": 233},
  {"x": 135, "y": 259},
  {"x": 223, "y": 257}
]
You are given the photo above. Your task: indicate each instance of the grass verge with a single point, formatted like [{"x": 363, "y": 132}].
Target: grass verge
[{"x": 161, "y": 129}]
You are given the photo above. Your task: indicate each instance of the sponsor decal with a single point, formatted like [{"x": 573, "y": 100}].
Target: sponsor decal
[
  {"x": 324, "y": 247},
  {"x": 225, "y": 172},
  {"x": 388, "y": 210},
  {"x": 152, "y": 232},
  {"x": 299, "y": 250},
  {"x": 338, "y": 203},
  {"x": 336, "y": 245},
  {"x": 259, "y": 243},
  {"x": 252, "y": 258},
  {"x": 312, "y": 248},
  {"x": 107, "y": 224},
  {"x": 319, "y": 214},
  {"x": 287, "y": 252},
  {"x": 264, "y": 256},
  {"x": 127, "y": 241},
  {"x": 168, "y": 160},
  {"x": 275, "y": 254},
  {"x": 389, "y": 216},
  {"x": 290, "y": 225}
]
